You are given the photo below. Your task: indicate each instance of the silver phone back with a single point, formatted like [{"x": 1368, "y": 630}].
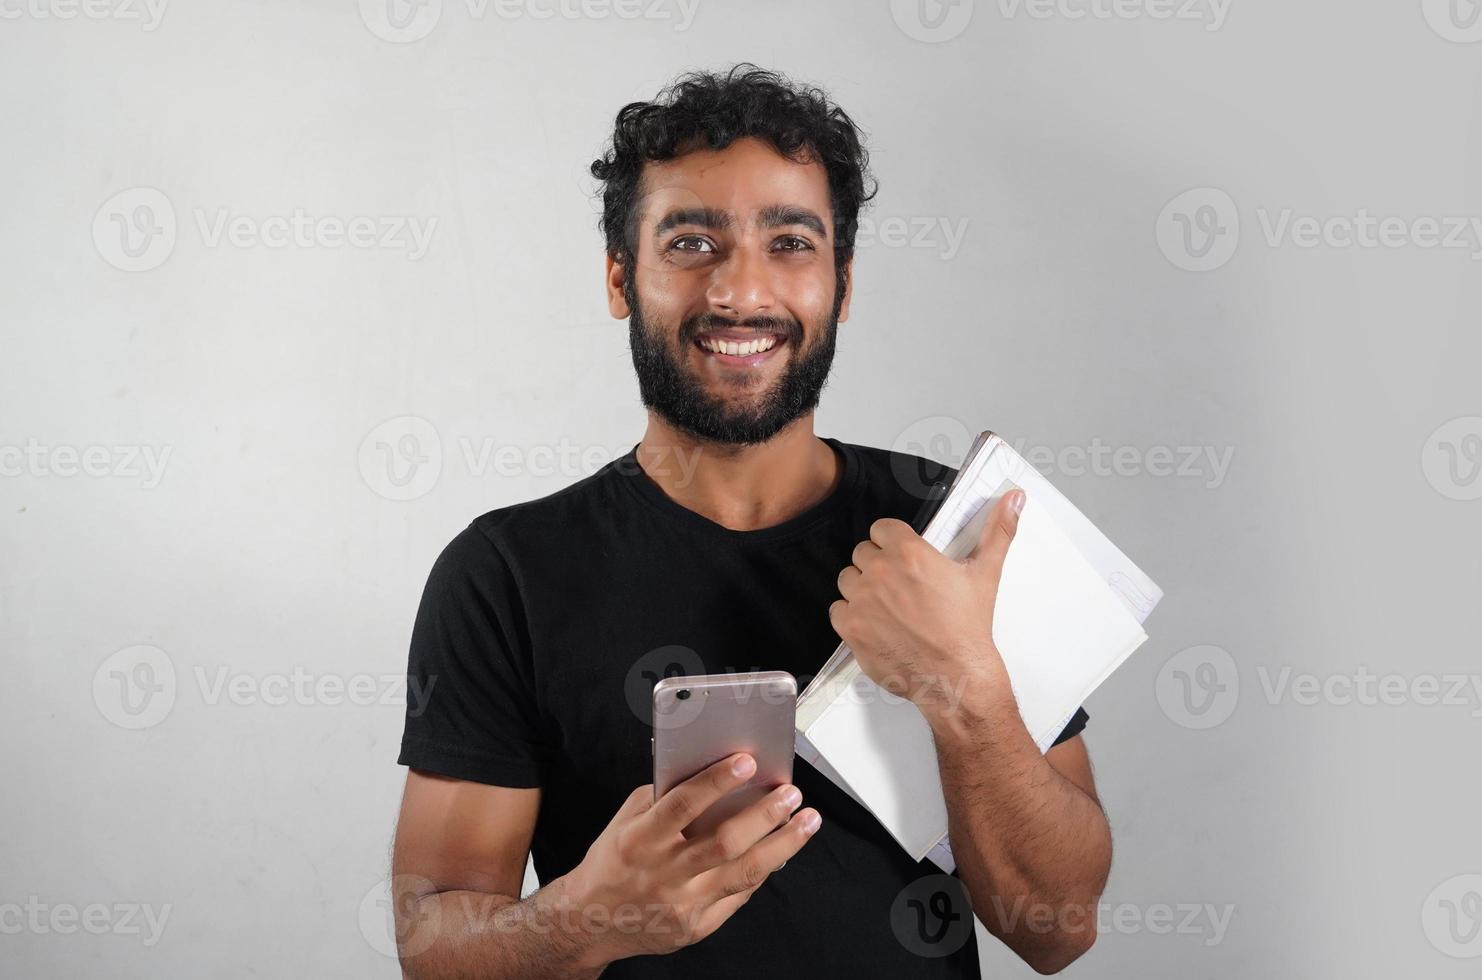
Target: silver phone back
[{"x": 700, "y": 720}]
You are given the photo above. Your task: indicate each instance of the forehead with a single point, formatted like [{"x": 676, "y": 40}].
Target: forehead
[{"x": 744, "y": 178}]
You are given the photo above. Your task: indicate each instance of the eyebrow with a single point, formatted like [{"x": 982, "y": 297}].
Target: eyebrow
[{"x": 771, "y": 216}]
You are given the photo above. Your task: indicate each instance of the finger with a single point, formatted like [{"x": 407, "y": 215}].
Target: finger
[
  {"x": 677, "y": 808},
  {"x": 997, "y": 534},
  {"x": 889, "y": 529},
  {"x": 848, "y": 579},
  {"x": 715, "y": 915},
  {"x": 864, "y": 553},
  {"x": 638, "y": 801},
  {"x": 737, "y": 834},
  {"x": 752, "y": 868}
]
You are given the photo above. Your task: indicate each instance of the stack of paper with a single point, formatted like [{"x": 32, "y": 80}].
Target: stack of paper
[{"x": 1069, "y": 611}]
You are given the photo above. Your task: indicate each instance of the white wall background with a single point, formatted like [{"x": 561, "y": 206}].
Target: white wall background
[{"x": 1341, "y": 541}]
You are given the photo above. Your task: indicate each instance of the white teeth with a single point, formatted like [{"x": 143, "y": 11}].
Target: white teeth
[{"x": 737, "y": 349}]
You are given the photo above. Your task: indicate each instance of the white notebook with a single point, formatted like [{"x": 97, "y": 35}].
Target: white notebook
[{"x": 1069, "y": 612}]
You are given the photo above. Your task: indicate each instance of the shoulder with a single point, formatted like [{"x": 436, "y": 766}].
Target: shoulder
[
  {"x": 497, "y": 538},
  {"x": 900, "y": 479}
]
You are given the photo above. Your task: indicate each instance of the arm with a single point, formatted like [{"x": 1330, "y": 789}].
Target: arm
[
  {"x": 1032, "y": 844},
  {"x": 457, "y": 866},
  {"x": 642, "y": 888}
]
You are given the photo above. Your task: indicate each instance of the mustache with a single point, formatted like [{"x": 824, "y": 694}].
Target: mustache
[{"x": 704, "y": 322}]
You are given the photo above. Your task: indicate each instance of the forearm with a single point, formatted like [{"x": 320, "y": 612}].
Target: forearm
[
  {"x": 1031, "y": 847},
  {"x": 463, "y": 934}
]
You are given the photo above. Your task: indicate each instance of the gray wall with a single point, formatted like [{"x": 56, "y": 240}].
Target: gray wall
[{"x": 1152, "y": 268}]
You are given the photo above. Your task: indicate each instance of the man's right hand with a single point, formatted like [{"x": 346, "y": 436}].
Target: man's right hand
[{"x": 644, "y": 888}]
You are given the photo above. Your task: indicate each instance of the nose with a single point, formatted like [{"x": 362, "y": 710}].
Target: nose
[{"x": 740, "y": 286}]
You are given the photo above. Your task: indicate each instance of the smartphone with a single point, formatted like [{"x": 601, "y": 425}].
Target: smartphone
[{"x": 701, "y": 719}]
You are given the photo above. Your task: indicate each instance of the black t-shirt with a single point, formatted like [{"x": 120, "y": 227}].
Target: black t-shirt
[{"x": 541, "y": 631}]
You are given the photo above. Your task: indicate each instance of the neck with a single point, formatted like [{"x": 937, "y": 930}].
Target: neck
[{"x": 744, "y": 488}]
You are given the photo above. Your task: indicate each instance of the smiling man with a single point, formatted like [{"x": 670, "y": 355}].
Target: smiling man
[{"x": 730, "y": 538}]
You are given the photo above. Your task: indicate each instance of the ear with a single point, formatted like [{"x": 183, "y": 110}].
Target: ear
[
  {"x": 617, "y": 303},
  {"x": 848, "y": 289}
]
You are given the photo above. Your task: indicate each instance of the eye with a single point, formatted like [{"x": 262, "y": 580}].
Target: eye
[
  {"x": 794, "y": 243},
  {"x": 694, "y": 244}
]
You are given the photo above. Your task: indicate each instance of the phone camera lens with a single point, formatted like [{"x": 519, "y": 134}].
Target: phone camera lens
[{"x": 682, "y": 694}]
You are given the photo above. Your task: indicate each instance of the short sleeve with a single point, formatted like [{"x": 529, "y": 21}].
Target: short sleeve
[
  {"x": 1073, "y": 727},
  {"x": 471, "y": 710}
]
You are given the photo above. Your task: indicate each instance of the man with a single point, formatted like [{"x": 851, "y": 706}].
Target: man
[{"x": 730, "y": 538}]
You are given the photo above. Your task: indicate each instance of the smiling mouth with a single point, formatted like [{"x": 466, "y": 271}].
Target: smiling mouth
[{"x": 745, "y": 350}]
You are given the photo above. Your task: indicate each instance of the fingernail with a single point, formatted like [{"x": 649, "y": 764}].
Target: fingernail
[
  {"x": 792, "y": 798},
  {"x": 1016, "y": 500},
  {"x": 744, "y": 765},
  {"x": 811, "y": 822}
]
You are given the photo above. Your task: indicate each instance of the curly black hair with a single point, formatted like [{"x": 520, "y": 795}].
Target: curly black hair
[{"x": 707, "y": 109}]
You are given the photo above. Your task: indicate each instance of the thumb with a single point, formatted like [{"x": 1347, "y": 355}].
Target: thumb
[{"x": 997, "y": 534}]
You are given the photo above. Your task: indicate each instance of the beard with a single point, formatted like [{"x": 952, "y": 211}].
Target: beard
[{"x": 681, "y": 398}]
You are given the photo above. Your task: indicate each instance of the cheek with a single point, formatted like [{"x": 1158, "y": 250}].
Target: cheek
[{"x": 811, "y": 295}]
